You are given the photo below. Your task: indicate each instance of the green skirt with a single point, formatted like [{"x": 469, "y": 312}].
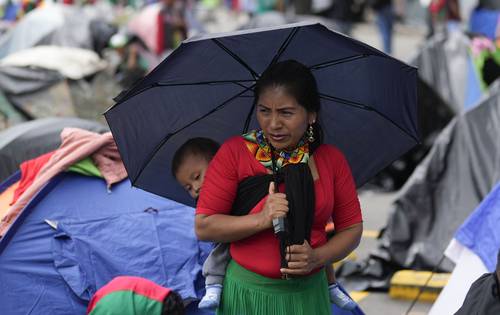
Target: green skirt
[{"x": 248, "y": 293}]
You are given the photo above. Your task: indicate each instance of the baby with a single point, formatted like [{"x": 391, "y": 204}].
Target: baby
[{"x": 188, "y": 166}]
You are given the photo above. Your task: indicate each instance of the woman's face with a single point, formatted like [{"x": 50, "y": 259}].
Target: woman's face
[{"x": 282, "y": 119}]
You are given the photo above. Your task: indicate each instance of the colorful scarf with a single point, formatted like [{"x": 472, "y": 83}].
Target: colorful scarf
[{"x": 260, "y": 149}]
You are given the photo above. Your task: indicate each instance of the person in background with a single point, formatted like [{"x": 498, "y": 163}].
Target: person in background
[
  {"x": 484, "y": 294},
  {"x": 172, "y": 25},
  {"x": 340, "y": 14},
  {"x": 384, "y": 17},
  {"x": 444, "y": 15}
]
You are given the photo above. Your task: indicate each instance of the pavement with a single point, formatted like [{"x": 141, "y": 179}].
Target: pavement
[
  {"x": 406, "y": 38},
  {"x": 376, "y": 207}
]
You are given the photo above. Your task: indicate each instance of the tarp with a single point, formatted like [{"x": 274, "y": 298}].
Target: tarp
[
  {"x": 31, "y": 139},
  {"x": 99, "y": 235},
  {"x": 145, "y": 25},
  {"x": 443, "y": 64},
  {"x": 15, "y": 80},
  {"x": 481, "y": 231},
  {"x": 460, "y": 170},
  {"x": 55, "y": 24},
  {"x": 72, "y": 63}
]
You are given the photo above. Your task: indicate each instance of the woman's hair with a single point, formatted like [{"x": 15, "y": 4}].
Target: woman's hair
[
  {"x": 204, "y": 147},
  {"x": 173, "y": 304},
  {"x": 297, "y": 81}
]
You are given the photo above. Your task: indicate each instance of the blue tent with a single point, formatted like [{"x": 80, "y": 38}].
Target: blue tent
[
  {"x": 100, "y": 235},
  {"x": 480, "y": 232}
]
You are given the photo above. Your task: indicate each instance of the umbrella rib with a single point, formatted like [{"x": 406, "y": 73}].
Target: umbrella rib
[
  {"x": 368, "y": 108},
  {"x": 168, "y": 136},
  {"x": 236, "y": 57},
  {"x": 118, "y": 99},
  {"x": 338, "y": 61},
  {"x": 202, "y": 83},
  {"x": 284, "y": 46}
]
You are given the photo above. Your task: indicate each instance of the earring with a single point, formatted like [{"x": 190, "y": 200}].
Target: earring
[{"x": 310, "y": 134}]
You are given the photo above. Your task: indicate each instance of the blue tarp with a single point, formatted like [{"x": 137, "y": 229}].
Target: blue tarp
[
  {"x": 484, "y": 21},
  {"x": 480, "y": 232},
  {"x": 106, "y": 234}
]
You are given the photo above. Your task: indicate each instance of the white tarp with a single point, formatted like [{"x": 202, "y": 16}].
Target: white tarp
[
  {"x": 72, "y": 63},
  {"x": 469, "y": 267}
]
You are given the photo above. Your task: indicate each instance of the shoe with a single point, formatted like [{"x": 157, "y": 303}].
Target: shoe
[
  {"x": 340, "y": 299},
  {"x": 211, "y": 299}
]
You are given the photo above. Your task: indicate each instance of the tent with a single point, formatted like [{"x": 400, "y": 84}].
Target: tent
[
  {"x": 31, "y": 139},
  {"x": 15, "y": 80},
  {"x": 55, "y": 24},
  {"x": 457, "y": 174},
  {"x": 98, "y": 235},
  {"x": 474, "y": 251},
  {"x": 75, "y": 236},
  {"x": 70, "y": 62},
  {"x": 444, "y": 63}
]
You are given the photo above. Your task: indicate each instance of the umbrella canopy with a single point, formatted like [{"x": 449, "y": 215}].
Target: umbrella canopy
[{"x": 205, "y": 88}]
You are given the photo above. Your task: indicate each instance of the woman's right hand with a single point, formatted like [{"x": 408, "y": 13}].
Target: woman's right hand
[{"x": 275, "y": 206}]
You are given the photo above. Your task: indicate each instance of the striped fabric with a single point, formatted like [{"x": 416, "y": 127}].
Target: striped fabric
[{"x": 127, "y": 295}]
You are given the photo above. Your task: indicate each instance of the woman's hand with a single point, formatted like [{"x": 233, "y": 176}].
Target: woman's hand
[
  {"x": 275, "y": 206},
  {"x": 301, "y": 260}
]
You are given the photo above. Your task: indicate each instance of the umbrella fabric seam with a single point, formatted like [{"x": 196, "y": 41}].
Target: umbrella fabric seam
[
  {"x": 368, "y": 108},
  {"x": 235, "y": 57},
  {"x": 168, "y": 136},
  {"x": 284, "y": 46},
  {"x": 338, "y": 61}
]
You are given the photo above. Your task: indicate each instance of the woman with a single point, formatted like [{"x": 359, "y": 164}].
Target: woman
[{"x": 289, "y": 142}]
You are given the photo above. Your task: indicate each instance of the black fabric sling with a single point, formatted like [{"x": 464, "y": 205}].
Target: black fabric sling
[{"x": 299, "y": 190}]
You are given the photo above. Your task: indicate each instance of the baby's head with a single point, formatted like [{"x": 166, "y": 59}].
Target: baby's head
[{"x": 191, "y": 161}]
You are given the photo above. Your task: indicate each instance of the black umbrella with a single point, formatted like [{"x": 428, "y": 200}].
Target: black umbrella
[{"x": 205, "y": 88}]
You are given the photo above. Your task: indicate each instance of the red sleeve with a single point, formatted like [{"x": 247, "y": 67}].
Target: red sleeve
[
  {"x": 346, "y": 210},
  {"x": 221, "y": 181}
]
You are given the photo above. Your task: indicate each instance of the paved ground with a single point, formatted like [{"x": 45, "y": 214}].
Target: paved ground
[
  {"x": 406, "y": 38},
  {"x": 376, "y": 208}
]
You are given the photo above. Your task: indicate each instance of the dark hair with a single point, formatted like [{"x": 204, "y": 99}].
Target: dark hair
[
  {"x": 173, "y": 304},
  {"x": 299, "y": 82},
  {"x": 203, "y": 147}
]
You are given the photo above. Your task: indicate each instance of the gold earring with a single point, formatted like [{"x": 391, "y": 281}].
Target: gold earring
[{"x": 310, "y": 134}]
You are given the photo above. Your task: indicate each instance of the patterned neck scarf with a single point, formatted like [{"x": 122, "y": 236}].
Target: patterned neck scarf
[{"x": 260, "y": 149}]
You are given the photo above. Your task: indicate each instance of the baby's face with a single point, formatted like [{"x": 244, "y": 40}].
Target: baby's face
[{"x": 191, "y": 174}]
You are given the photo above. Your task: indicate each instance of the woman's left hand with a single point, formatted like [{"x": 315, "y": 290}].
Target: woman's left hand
[{"x": 301, "y": 260}]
